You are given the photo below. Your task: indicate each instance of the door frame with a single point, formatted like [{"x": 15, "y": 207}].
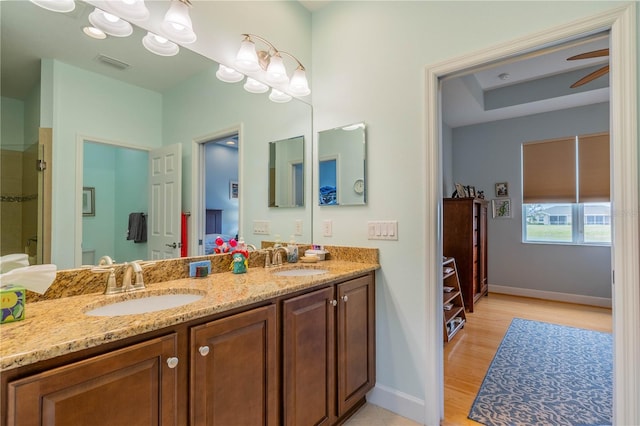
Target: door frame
[
  {"x": 621, "y": 22},
  {"x": 198, "y": 184}
]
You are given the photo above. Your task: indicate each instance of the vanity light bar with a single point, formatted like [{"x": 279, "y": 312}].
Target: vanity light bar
[{"x": 270, "y": 65}]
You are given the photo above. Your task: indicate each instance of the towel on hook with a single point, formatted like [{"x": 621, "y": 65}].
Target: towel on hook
[{"x": 137, "y": 227}]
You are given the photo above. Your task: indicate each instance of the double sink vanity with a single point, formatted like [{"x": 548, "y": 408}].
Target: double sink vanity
[{"x": 291, "y": 345}]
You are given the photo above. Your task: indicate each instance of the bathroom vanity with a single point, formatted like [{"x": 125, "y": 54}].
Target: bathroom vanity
[{"x": 257, "y": 348}]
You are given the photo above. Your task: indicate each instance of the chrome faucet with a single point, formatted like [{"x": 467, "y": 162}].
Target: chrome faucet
[
  {"x": 277, "y": 257},
  {"x": 131, "y": 268},
  {"x": 105, "y": 260}
]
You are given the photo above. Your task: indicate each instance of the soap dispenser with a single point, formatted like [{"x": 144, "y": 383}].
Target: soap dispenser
[{"x": 292, "y": 251}]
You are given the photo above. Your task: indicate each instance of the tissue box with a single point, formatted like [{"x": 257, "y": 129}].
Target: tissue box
[{"x": 11, "y": 303}]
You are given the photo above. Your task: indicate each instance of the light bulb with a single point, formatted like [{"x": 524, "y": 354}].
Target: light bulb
[
  {"x": 247, "y": 58},
  {"x": 159, "y": 45},
  {"x": 228, "y": 75},
  {"x": 299, "y": 85},
  {"x": 276, "y": 72},
  {"x": 254, "y": 86},
  {"x": 177, "y": 23},
  {"x": 278, "y": 96}
]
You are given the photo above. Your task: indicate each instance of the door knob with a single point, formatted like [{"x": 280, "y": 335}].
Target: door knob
[
  {"x": 204, "y": 350},
  {"x": 172, "y": 362},
  {"x": 174, "y": 245},
  {"x": 333, "y": 302},
  {"x": 345, "y": 298}
]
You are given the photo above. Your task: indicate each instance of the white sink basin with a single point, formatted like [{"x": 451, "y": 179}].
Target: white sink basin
[
  {"x": 299, "y": 272},
  {"x": 144, "y": 305}
]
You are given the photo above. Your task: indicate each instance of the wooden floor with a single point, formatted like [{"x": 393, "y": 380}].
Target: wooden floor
[{"x": 468, "y": 356}]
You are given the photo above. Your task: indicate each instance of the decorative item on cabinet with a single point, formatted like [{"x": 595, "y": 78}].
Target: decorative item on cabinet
[
  {"x": 454, "y": 316},
  {"x": 465, "y": 239}
]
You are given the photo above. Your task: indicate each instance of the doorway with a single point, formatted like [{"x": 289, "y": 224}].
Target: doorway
[
  {"x": 216, "y": 190},
  {"x": 625, "y": 171}
]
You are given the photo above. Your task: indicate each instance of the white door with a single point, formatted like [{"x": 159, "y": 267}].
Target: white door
[{"x": 165, "y": 198}]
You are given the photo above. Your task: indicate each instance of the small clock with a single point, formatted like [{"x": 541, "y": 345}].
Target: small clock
[{"x": 358, "y": 186}]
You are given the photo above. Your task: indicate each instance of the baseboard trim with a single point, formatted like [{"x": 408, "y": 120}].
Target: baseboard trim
[
  {"x": 602, "y": 302},
  {"x": 398, "y": 402}
]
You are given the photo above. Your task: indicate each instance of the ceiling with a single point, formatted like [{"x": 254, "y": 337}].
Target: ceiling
[
  {"x": 538, "y": 81},
  {"x": 532, "y": 83}
]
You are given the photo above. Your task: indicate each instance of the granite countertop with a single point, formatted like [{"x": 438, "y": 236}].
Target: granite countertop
[{"x": 56, "y": 327}]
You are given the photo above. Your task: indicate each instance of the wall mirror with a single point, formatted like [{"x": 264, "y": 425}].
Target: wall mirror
[
  {"x": 286, "y": 172},
  {"x": 342, "y": 166},
  {"x": 155, "y": 102}
]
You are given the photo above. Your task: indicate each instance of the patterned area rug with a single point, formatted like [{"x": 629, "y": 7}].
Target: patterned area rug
[{"x": 547, "y": 374}]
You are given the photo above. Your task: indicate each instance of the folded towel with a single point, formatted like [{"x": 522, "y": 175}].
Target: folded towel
[{"x": 137, "y": 227}]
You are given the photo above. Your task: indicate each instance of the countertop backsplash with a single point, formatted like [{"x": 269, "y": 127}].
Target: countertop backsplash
[{"x": 74, "y": 282}]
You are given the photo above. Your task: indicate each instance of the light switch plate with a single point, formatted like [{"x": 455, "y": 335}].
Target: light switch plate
[
  {"x": 261, "y": 227},
  {"x": 298, "y": 227},
  {"x": 327, "y": 228},
  {"x": 382, "y": 230}
]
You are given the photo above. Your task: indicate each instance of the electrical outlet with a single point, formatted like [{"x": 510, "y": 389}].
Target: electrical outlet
[
  {"x": 298, "y": 227},
  {"x": 194, "y": 265},
  {"x": 327, "y": 228},
  {"x": 261, "y": 227}
]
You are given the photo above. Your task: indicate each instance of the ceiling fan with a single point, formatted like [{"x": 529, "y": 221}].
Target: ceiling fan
[{"x": 597, "y": 73}]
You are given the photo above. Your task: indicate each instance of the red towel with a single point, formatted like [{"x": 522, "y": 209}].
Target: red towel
[{"x": 184, "y": 242}]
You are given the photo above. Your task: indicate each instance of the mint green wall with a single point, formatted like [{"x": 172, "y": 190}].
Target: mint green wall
[
  {"x": 92, "y": 105},
  {"x": 353, "y": 81},
  {"x": 119, "y": 176},
  {"x": 12, "y": 130}
]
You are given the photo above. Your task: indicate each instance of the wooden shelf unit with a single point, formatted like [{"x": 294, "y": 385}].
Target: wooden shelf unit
[
  {"x": 453, "y": 297},
  {"x": 464, "y": 234}
]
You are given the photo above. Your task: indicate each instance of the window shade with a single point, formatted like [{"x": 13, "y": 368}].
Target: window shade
[
  {"x": 549, "y": 171},
  {"x": 593, "y": 167}
]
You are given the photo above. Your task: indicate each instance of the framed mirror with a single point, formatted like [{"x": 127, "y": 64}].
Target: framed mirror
[
  {"x": 342, "y": 166},
  {"x": 286, "y": 172},
  {"x": 155, "y": 103}
]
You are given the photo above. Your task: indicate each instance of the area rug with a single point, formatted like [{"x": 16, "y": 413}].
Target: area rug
[{"x": 547, "y": 374}]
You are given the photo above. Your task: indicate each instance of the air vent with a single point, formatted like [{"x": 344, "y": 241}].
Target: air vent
[{"x": 112, "y": 62}]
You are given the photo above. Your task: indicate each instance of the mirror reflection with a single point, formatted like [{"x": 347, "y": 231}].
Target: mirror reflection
[
  {"x": 155, "y": 103},
  {"x": 286, "y": 173},
  {"x": 342, "y": 166}
]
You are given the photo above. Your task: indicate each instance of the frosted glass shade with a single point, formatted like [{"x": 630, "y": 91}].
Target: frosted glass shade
[
  {"x": 159, "y": 45},
  {"x": 177, "y": 24},
  {"x": 279, "y": 97},
  {"x": 299, "y": 85},
  {"x": 254, "y": 86},
  {"x": 133, "y": 10},
  {"x": 228, "y": 75},
  {"x": 56, "y": 5},
  {"x": 276, "y": 72},
  {"x": 247, "y": 58},
  {"x": 110, "y": 24}
]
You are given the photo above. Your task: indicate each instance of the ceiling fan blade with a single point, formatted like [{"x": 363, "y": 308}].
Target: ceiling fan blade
[
  {"x": 590, "y": 77},
  {"x": 592, "y": 54}
]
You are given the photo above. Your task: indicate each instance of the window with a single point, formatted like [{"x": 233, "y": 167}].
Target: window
[
  {"x": 569, "y": 223},
  {"x": 566, "y": 190}
]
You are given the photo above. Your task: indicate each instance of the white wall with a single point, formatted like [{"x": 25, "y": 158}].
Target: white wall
[
  {"x": 369, "y": 60},
  {"x": 487, "y": 153}
]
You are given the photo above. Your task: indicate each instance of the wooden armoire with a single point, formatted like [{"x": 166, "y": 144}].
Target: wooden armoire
[{"x": 465, "y": 239}]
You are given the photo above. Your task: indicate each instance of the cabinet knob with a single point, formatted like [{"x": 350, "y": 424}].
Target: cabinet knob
[
  {"x": 333, "y": 302},
  {"x": 345, "y": 298},
  {"x": 204, "y": 350},
  {"x": 172, "y": 362}
]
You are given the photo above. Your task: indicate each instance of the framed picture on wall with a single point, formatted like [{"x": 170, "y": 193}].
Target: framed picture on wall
[
  {"x": 501, "y": 208},
  {"x": 502, "y": 189},
  {"x": 233, "y": 189},
  {"x": 88, "y": 201}
]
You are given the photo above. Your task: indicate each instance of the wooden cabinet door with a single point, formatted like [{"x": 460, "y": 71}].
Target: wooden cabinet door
[
  {"x": 308, "y": 386},
  {"x": 130, "y": 386},
  {"x": 356, "y": 341},
  {"x": 234, "y": 370}
]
